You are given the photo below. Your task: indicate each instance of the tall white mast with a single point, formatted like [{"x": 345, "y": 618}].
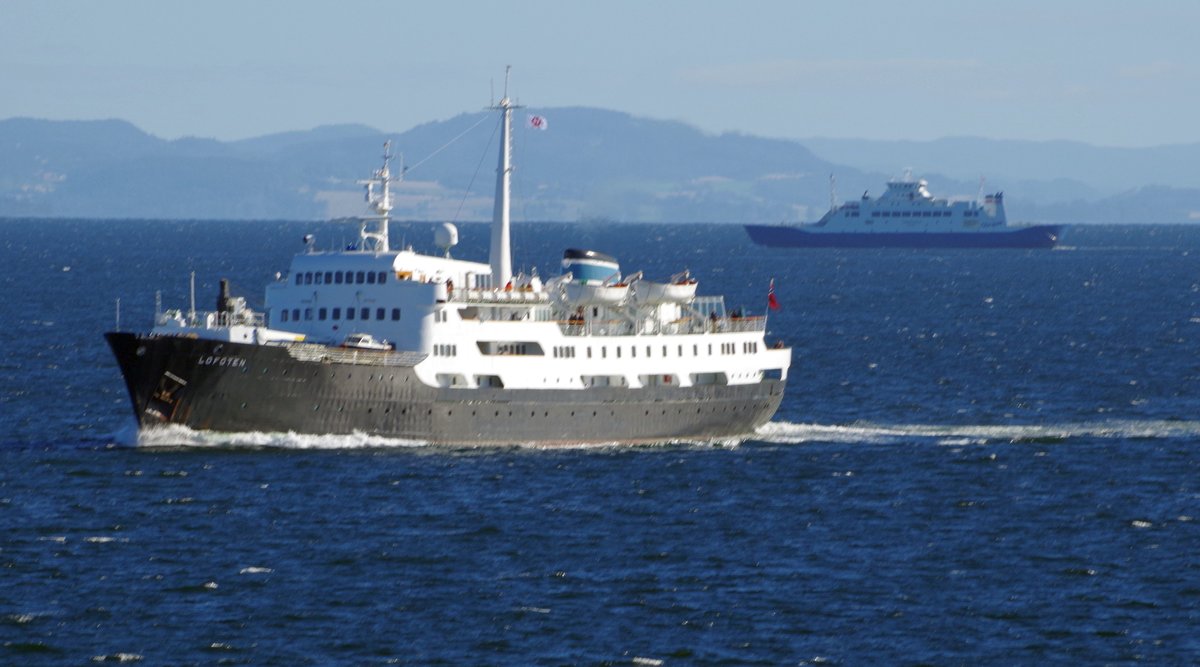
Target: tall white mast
[
  {"x": 500, "y": 256},
  {"x": 380, "y": 202}
]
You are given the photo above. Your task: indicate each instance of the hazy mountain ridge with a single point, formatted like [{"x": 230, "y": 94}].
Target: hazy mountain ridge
[{"x": 591, "y": 163}]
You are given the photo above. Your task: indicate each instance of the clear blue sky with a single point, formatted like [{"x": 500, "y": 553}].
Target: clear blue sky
[{"x": 1107, "y": 72}]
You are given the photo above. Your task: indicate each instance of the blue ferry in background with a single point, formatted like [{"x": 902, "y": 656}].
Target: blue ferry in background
[{"x": 908, "y": 216}]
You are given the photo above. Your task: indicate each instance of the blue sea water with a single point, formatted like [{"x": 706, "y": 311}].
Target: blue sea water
[{"x": 984, "y": 457}]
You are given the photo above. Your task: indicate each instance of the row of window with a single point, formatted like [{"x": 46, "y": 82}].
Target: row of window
[
  {"x": 381, "y": 314},
  {"x": 568, "y": 352},
  {"x": 726, "y": 348},
  {"x": 341, "y": 278},
  {"x": 911, "y": 214}
]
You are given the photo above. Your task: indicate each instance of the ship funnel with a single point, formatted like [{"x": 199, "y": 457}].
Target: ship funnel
[
  {"x": 591, "y": 267},
  {"x": 223, "y": 296}
]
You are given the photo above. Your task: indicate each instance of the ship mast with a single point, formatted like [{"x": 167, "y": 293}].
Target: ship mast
[
  {"x": 381, "y": 202},
  {"x": 500, "y": 256}
]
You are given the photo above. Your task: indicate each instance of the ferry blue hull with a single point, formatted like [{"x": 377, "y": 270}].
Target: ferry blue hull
[{"x": 780, "y": 236}]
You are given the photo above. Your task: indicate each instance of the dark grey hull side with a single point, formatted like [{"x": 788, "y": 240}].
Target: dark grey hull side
[{"x": 231, "y": 387}]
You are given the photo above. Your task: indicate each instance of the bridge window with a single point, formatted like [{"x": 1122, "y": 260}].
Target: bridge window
[
  {"x": 308, "y": 314},
  {"x": 349, "y": 313},
  {"x": 395, "y": 314},
  {"x": 295, "y": 314},
  {"x": 382, "y": 277},
  {"x": 380, "y": 313},
  {"x": 284, "y": 315},
  {"x": 337, "y": 313},
  {"x": 321, "y": 313},
  {"x": 337, "y": 277},
  {"x": 364, "y": 314},
  {"x": 299, "y": 278},
  {"x": 371, "y": 278},
  {"x": 360, "y": 278}
]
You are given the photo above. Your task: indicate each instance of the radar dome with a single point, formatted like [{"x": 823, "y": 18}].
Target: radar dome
[{"x": 446, "y": 237}]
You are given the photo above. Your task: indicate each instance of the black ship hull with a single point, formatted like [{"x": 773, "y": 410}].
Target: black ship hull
[{"x": 232, "y": 387}]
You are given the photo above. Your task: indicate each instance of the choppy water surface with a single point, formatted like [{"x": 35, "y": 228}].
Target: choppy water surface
[{"x": 984, "y": 457}]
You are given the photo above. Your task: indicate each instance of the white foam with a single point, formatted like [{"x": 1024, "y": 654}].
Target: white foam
[
  {"x": 118, "y": 657},
  {"x": 979, "y": 434},
  {"x": 175, "y": 435}
]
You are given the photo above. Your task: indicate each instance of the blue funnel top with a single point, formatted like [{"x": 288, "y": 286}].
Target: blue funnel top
[{"x": 591, "y": 267}]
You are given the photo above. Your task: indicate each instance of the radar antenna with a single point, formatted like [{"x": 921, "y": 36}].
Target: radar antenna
[{"x": 380, "y": 201}]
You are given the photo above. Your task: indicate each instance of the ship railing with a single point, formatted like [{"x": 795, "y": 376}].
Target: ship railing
[
  {"x": 346, "y": 355},
  {"x": 210, "y": 319},
  {"x": 743, "y": 324},
  {"x": 682, "y": 326},
  {"x": 248, "y": 319}
]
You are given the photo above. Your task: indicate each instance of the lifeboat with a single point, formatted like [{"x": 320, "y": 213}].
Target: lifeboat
[
  {"x": 681, "y": 289},
  {"x": 581, "y": 294}
]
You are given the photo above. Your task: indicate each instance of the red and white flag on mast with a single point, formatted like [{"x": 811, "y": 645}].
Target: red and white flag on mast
[
  {"x": 537, "y": 122},
  {"x": 772, "y": 302}
]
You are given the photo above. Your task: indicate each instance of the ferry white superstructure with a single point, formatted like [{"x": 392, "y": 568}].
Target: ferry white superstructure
[{"x": 907, "y": 215}]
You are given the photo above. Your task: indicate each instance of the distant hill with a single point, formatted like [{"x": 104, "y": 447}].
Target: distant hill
[{"x": 590, "y": 164}]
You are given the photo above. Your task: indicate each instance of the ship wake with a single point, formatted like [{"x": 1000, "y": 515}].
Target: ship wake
[{"x": 982, "y": 434}]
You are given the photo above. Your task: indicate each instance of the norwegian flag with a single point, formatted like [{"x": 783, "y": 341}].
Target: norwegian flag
[
  {"x": 537, "y": 122},
  {"x": 772, "y": 302}
]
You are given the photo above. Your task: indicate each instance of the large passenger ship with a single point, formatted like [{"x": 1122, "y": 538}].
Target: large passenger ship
[
  {"x": 908, "y": 216},
  {"x": 443, "y": 350}
]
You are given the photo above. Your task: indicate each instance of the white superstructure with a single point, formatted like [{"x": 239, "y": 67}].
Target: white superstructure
[
  {"x": 907, "y": 206},
  {"x": 480, "y": 326}
]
